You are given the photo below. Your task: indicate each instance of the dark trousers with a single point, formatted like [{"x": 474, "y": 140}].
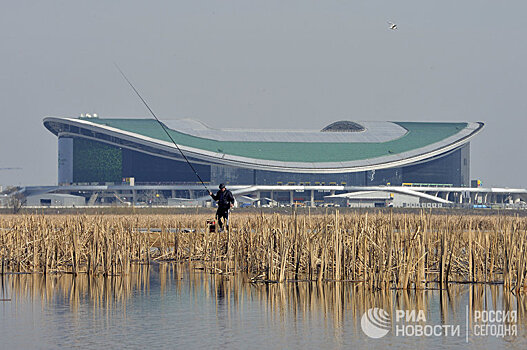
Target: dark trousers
[{"x": 223, "y": 213}]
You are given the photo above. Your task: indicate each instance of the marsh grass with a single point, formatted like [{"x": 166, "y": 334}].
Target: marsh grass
[{"x": 380, "y": 251}]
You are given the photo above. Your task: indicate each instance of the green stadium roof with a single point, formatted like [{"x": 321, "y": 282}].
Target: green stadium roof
[{"x": 376, "y": 143}]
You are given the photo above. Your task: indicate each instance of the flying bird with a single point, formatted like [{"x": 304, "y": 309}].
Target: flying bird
[{"x": 393, "y": 26}]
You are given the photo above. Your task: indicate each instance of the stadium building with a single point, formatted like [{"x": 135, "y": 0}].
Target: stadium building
[
  {"x": 369, "y": 153},
  {"x": 118, "y": 161}
]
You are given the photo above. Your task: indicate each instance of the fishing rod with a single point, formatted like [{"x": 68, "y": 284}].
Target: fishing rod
[{"x": 162, "y": 126}]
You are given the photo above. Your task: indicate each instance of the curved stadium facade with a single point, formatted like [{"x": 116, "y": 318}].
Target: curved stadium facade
[{"x": 93, "y": 150}]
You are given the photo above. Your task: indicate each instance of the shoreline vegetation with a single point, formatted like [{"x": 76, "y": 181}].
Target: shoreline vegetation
[
  {"x": 160, "y": 210},
  {"x": 378, "y": 250}
]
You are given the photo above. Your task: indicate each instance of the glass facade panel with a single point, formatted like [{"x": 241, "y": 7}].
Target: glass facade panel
[
  {"x": 146, "y": 168},
  {"x": 449, "y": 169},
  {"x": 99, "y": 162},
  {"x": 96, "y": 161}
]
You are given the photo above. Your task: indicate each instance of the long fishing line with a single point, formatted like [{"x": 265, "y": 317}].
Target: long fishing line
[{"x": 161, "y": 124}]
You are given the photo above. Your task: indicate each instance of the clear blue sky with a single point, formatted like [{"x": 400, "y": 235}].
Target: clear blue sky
[{"x": 265, "y": 64}]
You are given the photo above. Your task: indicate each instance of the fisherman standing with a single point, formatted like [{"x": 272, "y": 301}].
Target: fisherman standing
[{"x": 225, "y": 201}]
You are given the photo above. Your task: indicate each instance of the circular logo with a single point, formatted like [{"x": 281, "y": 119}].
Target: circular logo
[{"x": 375, "y": 323}]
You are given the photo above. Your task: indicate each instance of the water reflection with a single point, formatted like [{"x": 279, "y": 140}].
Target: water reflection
[
  {"x": 99, "y": 291},
  {"x": 335, "y": 301},
  {"x": 186, "y": 297}
]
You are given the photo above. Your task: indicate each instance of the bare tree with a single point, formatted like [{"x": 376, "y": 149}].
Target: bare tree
[{"x": 16, "y": 200}]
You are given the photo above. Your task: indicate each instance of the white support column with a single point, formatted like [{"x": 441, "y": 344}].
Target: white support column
[
  {"x": 291, "y": 197},
  {"x": 312, "y": 203},
  {"x": 65, "y": 170}
]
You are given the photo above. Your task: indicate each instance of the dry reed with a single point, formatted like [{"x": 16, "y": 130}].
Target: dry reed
[{"x": 381, "y": 251}]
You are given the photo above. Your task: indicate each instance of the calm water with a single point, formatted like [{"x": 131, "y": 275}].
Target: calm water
[{"x": 179, "y": 306}]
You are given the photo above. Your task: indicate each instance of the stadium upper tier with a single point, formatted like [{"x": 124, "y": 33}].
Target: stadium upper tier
[{"x": 338, "y": 148}]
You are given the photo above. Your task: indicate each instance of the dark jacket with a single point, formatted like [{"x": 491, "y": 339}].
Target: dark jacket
[{"x": 224, "y": 199}]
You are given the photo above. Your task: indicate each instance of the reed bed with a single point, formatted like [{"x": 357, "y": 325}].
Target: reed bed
[{"x": 380, "y": 251}]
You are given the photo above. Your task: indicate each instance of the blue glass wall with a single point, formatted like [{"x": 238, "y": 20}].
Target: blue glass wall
[
  {"x": 95, "y": 161},
  {"x": 98, "y": 162},
  {"x": 150, "y": 169}
]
